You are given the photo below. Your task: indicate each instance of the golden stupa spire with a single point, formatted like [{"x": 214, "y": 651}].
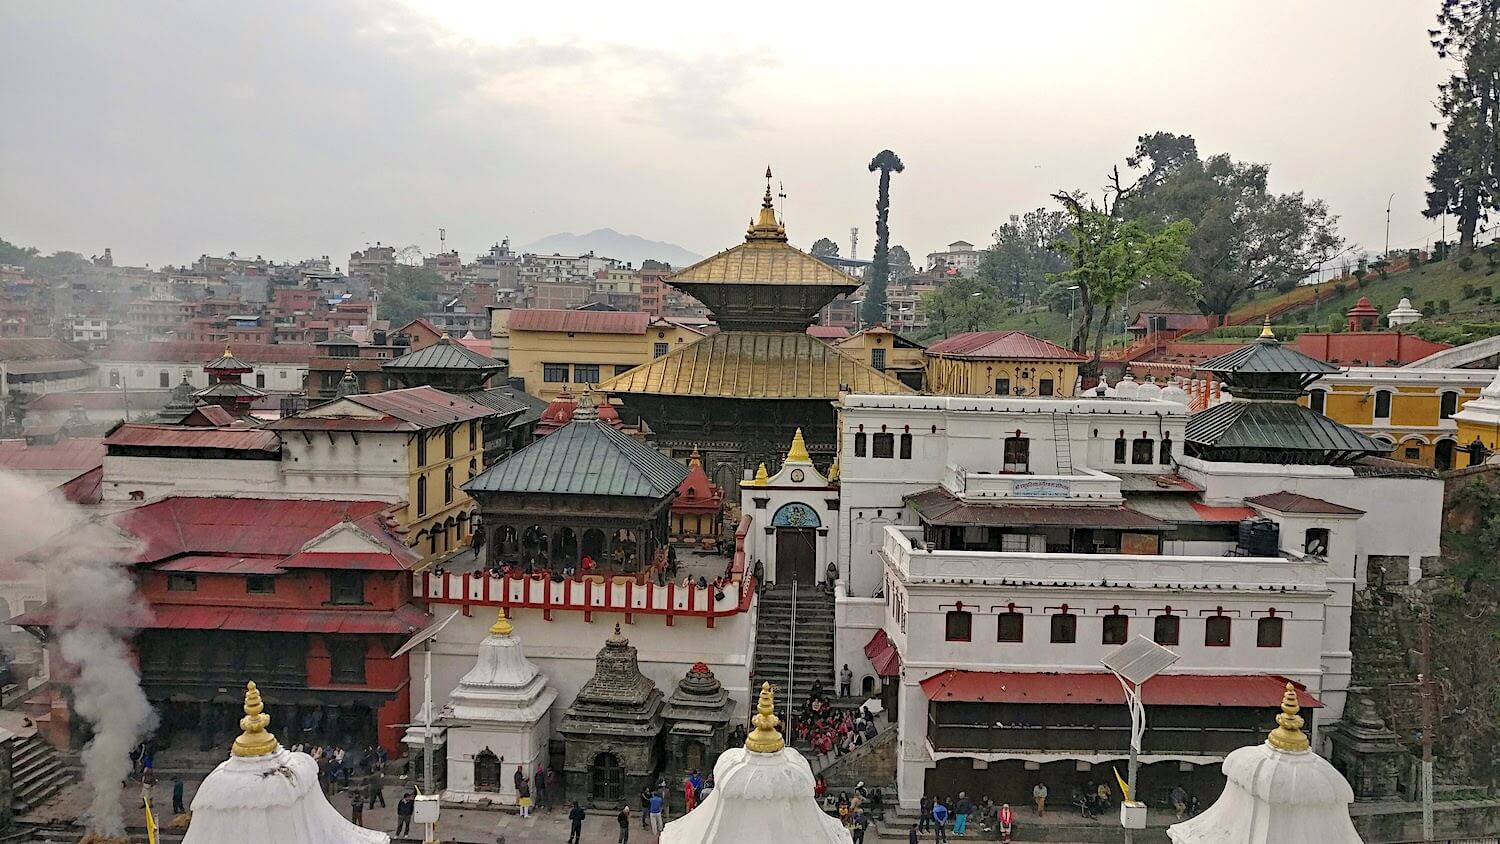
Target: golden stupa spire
[
  {"x": 762, "y": 477},
  {"x": 798, "y": 452},
  {"x": 694, "y": 459},
  {"x": 765, "y": 738},
  {"x": 766, "y": 226},
  {"x": 227, "y": 353},
  {"x": 1265, "y": 329},
  {"x": 254, "y": 741},
  {"x": 501, "y": 627},
  {"x": 1288, "y": 734}
]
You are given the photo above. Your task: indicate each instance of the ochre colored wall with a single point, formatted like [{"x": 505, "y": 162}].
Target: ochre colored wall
[
  {"x": 970, "y": 377},
  {"x": 529, "y": 350}
]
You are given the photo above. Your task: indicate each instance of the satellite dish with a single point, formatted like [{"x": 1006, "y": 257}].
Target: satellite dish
[{"x": 424, "y": 634}]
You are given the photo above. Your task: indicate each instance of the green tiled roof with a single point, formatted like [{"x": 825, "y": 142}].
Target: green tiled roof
[
  {"x": 1268, "y": 357},
  {"x": 584, "y": 457},
  {"x": 1276, "y": 426},
  {"x": 444, "y": 354}
]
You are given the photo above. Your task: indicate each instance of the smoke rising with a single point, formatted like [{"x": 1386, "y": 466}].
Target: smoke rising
[{"x": 95, "y": 607}]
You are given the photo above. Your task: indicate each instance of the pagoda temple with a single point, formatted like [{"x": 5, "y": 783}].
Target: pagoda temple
[
  {"x": 612, "y": 732},
  {"x": 698, "y": 509},
  {"x": 226, "y": 386},
  {"x": 697, "y": 719},
  {"x": 739, "y": 394}
]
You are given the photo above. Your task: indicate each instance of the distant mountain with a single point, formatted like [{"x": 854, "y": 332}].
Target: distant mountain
[{"x": 608, "y": 243}]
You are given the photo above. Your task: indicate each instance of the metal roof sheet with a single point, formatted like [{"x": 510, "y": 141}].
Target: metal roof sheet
[
  {"x": 87, "y": 488},
  {"x": 195, "y": 353},
  {"x": 46, "y": 367},
  {"x": 236, "y": 526},
  {"x": 1266, "y": 356},
  {"x": 344, "y": 560},
  {"x": 755, "y": 365},
  {"x": 1292, "y": 502},
  {"x": 772, "y": 262},
  {"x": 229, "y": 389},
  {"x": 586, "y": 322},
  {"x": 938, "y": 506},
  {"x": 883, "y": 656},
  {"x": 34, "y": 348},
  {"x": 446, "y": 353},
  {"x": 1002, "y": 345},
  {"x": 215, "y": 564},
  {"x": 1276, "y": 425},
  {"x": 75, "y": 454},
  {"x": 1175, "y": 508},
  {"x": 1240, "y": 690},
  {"x": 176, "y": 436},
  {"x": 403, "y": 620},
  {"x": 584, "y": 458},
  {"x": 411, "y": 409}
]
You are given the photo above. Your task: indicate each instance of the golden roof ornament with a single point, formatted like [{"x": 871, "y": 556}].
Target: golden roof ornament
[
  {"x": 694, "y": 459},
  {"x": 1288, "y": 734},
  {"x": 254, "y": 741},
  {"x": 798, "y": 452},
  {"x": 766, "y": 226},
  {"x": 501, "y": 627},
  {"x": 1265, "y": 330},
  {"x": 762, "y": 477},
  {"x": 765, "y": 738},
  {"x": 227, "y": 353}
]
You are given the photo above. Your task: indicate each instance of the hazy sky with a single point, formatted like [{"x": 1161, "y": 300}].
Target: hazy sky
[{"x": 291, "y": 129}]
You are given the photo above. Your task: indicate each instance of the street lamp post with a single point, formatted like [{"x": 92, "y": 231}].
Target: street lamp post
[
  {"x": 1387, "y": 253},
  {"x": 1133, "y": 663},
  {"x": 424, "y": 638}
]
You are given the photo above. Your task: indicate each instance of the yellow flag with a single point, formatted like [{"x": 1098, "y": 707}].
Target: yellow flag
[
  {"x": 1124, "y": 789},
  {"x": 150, "y": 824}
]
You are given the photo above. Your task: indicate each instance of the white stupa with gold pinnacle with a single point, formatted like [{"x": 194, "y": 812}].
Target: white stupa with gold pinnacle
[
  {"x": 762, "y": 792},
  {"x": 265, "y": 794},
  {"x": 1279, "y": 792}
]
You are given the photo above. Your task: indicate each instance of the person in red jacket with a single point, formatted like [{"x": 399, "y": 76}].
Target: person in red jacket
[{"x": 689, "y": 795}]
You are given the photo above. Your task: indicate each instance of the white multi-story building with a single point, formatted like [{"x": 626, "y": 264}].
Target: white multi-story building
[
  {"x": 960, "y": 258},
  {"x": 89, "y": 329}
]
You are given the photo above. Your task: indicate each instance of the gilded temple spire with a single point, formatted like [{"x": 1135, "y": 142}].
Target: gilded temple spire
[
  {"x": 766, "y": 226},
  {"x": 798, "y": 452},
  {"x": 765, "y": 738},
  {"x": 1265, "y": 330},
  {"x": 254, "y": 741},
  {"x": 501, "y": 627},
  {"x": 1288, "y": 734}
]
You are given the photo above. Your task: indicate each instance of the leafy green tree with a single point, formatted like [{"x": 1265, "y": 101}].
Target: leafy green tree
[
  {"x": 900, "y": 264},
  {"x": 1244, "y": 237},
  {"x": 408, "y": 293},
  {"x": 1110, "y": 256},
  {"x": 824, "y": 248},
  {"x": 1022, "y": 256},
  {"x": 651, "y": 265},
  {"x": 885, "y": 162},
  {"x": 1465, "y": 176},
  {"x": 963, "y": 304}
]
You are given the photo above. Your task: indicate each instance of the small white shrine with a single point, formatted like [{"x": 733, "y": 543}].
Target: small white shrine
[
  {"x": 497, "y": 718},
  {"x": 265, "y": 794},
  {"x": 1402, "y": 314},
  {"x": 1279, "y": 792},
  {"x": 794, "y": 519},
  {"x": 762, "y": 792}
]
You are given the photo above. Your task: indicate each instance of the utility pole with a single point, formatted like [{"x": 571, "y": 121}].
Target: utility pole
[
  {"x": 1388, "y": 202},
  {"x": 1428, "y": 726}
]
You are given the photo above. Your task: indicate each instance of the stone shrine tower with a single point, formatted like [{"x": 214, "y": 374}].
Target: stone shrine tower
[
  {"x": 697, "y": 725},
  {"x": 612, "y": 731}
]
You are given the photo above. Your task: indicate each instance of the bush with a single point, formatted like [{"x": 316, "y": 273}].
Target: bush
[
  {"x": 1429, "y": 306},
  {"x": 1408, "y": 291},
  {"x": 1468, "y": 291},
  {"x": 1340, "y": 289},
  {"x": 1286, "y": 285},
  {"x": 1442, "y": 306},
  {"x": 1466, "y": 263}
]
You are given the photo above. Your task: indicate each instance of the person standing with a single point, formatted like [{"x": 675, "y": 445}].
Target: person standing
[
  {"x": 523, "y": 798},
  {"x": 375, "y": 782},
  {"x": 1179, "y": 802},
  {"x": 357, "y": 807},
  {"x": 846, "y": 680},
  {"x": 645, "y": 808},
  {"x": 576, "y": 814},
  {"x": 1039, "y": 797},
  {"x": 655, "y": 809},
  {"x": 623, "y": 819},
  {"x": 689, "y": 795},
  {"x": 911, "y": 835},
  {"x": 148, "y": 781},
  {"x": 858, "y": 826},
  {"x": 404, "y": 809},
  {"x": 539, "y": 787},
  {"x": 961, "y": 812},
  {"x": 939, "y": 820},
  {"x": 177, "y": 801},
  {"x": 924, "y": 817}
]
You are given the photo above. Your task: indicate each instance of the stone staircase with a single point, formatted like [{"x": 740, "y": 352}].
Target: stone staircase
[
  {"x": 1378, "y": 644},
  {"x": 37, "y": 772},
  {"x": 813, "y": 656}
]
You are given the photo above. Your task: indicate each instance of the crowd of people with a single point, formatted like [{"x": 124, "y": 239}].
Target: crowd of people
[{"x": 825, "y": 731}]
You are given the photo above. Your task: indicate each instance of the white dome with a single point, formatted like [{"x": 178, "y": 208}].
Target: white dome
[
  {"x": 1403, "y": 314},
  {"x": 1174, "y": 393},
  {"x": 503, "y": 685},
  {"x": 1127, "y": 388},
  {"x": 1148, "y": 390}
]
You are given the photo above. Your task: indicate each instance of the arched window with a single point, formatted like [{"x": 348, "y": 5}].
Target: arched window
[
  {"x": 1448, "y": 405},
  {"x": 1382, "y": 404},
  {"x": 1064, "y": 628},
  {"x": 448, "y": 485},
  {"x": 1268, "y": 632},
  {"x": 1166, "y": 450},
  {"x": 1011, "y": 627},
  {"x": 422, "y": 495},
  {"x": 1167, "y": 629},
  {"x": 1216, "y": 631},
  {"x": 1120, "y": 448},
  {"x": 959, "y": 626},
  {"x": 486, "y": 771},
  {"x": 859, "y": 444},
  {"x": 448, "y": 442},
  {"x": 1017, "y": 455}
]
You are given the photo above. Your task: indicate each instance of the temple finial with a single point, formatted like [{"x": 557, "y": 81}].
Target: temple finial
[
  {"x": 1265, "y": 330},
  {"x": 227, "y": 353},
  {"x": 254, "y": 741},
  {"x": 1288, "y": 734},
  {"x": 766, "y": 226},
  {"x": 501, "y": 627},
  {"x": 798, "y": 452},
  {"x": 765, "y": 738}
]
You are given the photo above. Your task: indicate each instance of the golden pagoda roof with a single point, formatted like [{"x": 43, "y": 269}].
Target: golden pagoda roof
[{"x": 755, "y": 365}]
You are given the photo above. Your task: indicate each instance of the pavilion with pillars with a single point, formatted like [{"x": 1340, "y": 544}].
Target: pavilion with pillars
[{"x": 586, "y": 490}]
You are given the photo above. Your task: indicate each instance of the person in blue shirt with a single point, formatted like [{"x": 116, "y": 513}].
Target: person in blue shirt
[
  {"x": 911, "y": 835},
  {"x": 697, "y": 782},
  {"x": 655, "y": 809},
  {"x": 939, "y": 820}
]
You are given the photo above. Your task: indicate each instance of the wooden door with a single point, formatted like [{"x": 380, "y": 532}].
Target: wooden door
[{"x": 796, "y": 556}]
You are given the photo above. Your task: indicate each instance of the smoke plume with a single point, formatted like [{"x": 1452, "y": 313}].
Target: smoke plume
[{"x": 95, "y": 608}]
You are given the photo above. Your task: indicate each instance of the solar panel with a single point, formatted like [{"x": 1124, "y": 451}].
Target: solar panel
[{"x": 1139, "y": 659}]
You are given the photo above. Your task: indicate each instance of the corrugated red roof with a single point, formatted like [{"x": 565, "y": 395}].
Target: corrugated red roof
[
  {"x": 827, "y": 332},
  {"x": 100, "y": 400},
  {"x": 177, "y": 436},
  {"x": 404, "y": 620},
  {"x": 411, "y": 409},
  {"x": 881, "y": 652},
  {"x": 592, "y": 322},
  {"x": 87, "y": 488},
  {"x": 214, "y": 415},
  {"x": 236, "y": 526},
  {"x": 1291, "y": 502},
  {"x": 1222, "y": 514},
  {"x": 1247, "y": 690},
  {"x": 72, "y": 454},
  {"x": 34, "y": 348},
  {"x": 343, "y": 560},
  {"x": 1002, "y": 344},
  {"x": 187, "y": 352},
  {"x": 214, "y": 564}
]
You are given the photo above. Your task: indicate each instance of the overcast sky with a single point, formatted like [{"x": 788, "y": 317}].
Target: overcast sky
[{"x": 292, "y": 129}]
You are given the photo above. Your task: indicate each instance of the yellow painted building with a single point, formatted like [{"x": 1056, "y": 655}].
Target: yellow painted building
[
  {"x": 1415, "y": 411},
  {"x": 885, "y": 350},
  {"x": 553, "y": 351},
  {"x": 419, "y": 445},
  {"x": 1000, "y": 363}
]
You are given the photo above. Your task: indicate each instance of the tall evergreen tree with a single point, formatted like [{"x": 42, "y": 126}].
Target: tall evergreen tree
[
  {"x": 885, "y": 162},
  {"x": 1465, "y": 175}
]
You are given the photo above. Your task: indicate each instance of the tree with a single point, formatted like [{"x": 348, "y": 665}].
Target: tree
[
  {"x": 1110, "y": 256},
  {"x": 885, "y": 162},
  {"x": 1465, "y": 176},
  {"x": 1244, "y": 237},
  {"x": 901, "y": 267},
  {"x": 1021, "y": 258},
  {"x": 408, "y": 293},
  {"x": 651, "y": 265},
  {"x": 824, "y": 248},
  {"x": 963, "y": 304}
]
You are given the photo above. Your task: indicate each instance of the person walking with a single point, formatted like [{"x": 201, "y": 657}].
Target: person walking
[
  {"x": 655, "y": 809},
  {"x": 846, "y": 680},
  {"x": 1039, "y": 797},
  {"x": 939, "y": 820},
  {"x": 576, "y": 814},
  {"x": 404, "y": 809},
  {"x": 177, "y": 801},
  {"x": 961, "y": 811},
  {"x": 375, "y": 782},
  {"x": 689, "y": 795},
  {"x": 357, "y": 807},
  {"x": 623, "y": 819}
]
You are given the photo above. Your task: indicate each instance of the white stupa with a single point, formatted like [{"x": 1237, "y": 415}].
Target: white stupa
[
  {"x": 1402, "y": 314},
  {"x": 762, "y": 792},
  {"x": 1127, "y": 388},
  {"x": 1279, "y": 791},
  {"x": 265, "y": 794},
  {"x": 500, "y": 709}
]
